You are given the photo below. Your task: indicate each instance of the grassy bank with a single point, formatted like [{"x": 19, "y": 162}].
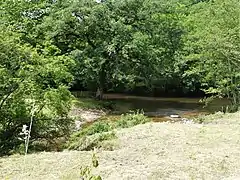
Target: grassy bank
[
  {"x": 90, "y": 103},
  {"x": 149, "y": 151},
  {"x": 100, "y": 134}
]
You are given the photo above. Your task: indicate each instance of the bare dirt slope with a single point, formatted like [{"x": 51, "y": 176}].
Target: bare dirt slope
[{"x": 152, "y": 151}]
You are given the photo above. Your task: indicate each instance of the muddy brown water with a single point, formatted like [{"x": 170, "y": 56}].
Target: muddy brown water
[{"x": 160, "y": 109}]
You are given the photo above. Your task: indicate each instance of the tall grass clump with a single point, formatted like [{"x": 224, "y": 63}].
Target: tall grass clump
[
  {"x": 87, "y": 143},
  {"x": 90, "y": 103},
  {"x": 92, "y": 136},
  {"x": 132, "y": 119},
  {"x": 101, "y": 134},
  {"x": 97, "y": 127},
  {"x": 86, "y": 172}
]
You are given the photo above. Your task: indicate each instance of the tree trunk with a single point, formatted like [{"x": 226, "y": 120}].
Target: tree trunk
[
  {"x": 101, "y": 82},
  {"x": 99, "y": 94}
]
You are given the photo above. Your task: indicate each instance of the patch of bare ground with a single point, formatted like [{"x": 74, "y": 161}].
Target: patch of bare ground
[
  {"x": 151, "y": 151},
  {"x": 82, "y": 116}
]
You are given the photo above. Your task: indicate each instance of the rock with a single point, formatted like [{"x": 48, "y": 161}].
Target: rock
[
  {"x": 90, "y": 116},
  {"x": 174, "y": 116},
  {"x": 187, "y": 121},
  {"x": 78, "y": 125},
  {"x": 82, "y": 116}
]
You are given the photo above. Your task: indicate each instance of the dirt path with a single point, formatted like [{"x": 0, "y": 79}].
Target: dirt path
[{"x": 152, "y": 151}]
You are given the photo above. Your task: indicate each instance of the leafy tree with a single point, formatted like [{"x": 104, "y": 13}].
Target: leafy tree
[
  {"x": 30, "y": 82},
  {"x": 213, "y": 48},
  {"x": 116, "y": 43},
  {"x": 24, "y": 16}
]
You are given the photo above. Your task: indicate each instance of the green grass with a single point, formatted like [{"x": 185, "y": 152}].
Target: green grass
[
  {"x": 97, "y": 127},
  {"x": 131, "y": 119},
  {"x": 220, "y": 117},
  {"x": 90, "y": 103},
  {"x": 97, "y": 133},
  {"x": 104, "y": 140},
  {"x": 91, "y": 136}
]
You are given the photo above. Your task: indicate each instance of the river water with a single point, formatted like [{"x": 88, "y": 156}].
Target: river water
[{"x": 161, "y": 109}]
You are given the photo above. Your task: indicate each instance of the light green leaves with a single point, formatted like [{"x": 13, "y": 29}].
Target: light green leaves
[
  {"x": 214, "y": 40},
  {"x": 28, "y": 77}
]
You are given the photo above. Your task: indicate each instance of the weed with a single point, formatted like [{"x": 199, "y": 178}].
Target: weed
[
  {"x": 89, "y": 103},
  {"x": 100, "y": 134},
  {"x": 86, "y": 172},
  {"x": 87, "y": 143},
  {"x": 92, "y": 136},
  {"x": 97, "y": 127},
  {"x": 131, "y": 119}
]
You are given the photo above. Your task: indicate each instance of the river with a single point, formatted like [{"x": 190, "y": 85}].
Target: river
[{"x": 160, "y": 109}]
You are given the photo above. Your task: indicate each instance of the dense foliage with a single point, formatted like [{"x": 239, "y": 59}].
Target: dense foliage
[
  {"x": 213, "y": 48},
  {"x": 34, "y": 85},
  {"x": 155, "y": 46}
]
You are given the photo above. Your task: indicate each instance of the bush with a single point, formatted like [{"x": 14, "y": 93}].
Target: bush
[
  {"x": 92, "y": 136},
  {"x": 131, "y": 119},
  {"x": 90, "y": 103},
  {"x": 87, "y": 143},
  {"x": 100, "y": 134},
  {"x": 32, "y": 86},
  {"x": 97, "y": 127}
]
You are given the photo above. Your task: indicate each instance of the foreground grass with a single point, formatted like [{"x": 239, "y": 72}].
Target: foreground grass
[{"x": 150, "y": 151}]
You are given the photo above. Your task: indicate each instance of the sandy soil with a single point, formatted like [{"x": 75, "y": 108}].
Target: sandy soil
[
  {"x": 152, "y": 151},
  {"x": 82, "y": 116}
]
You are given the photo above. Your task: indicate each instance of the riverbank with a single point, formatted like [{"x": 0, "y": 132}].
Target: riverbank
[
  {"x": 150, "y": 151},
  {"x": 87, "y": 109}
]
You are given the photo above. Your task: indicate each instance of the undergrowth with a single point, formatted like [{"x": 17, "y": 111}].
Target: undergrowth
[
  {"x": 97, "y": 127},
  {"x": 104, "y": 140},
  {"x": 101, "y": 134},
  {"x": 131, "y": 119},
  {"x": 90, "y": 103}
]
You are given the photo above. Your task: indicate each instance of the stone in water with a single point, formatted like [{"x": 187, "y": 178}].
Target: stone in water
[{"x": 174, "y": 116}]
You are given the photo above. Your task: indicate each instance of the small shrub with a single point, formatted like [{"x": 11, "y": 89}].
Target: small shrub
[
  {"x": 87, "y": 143},
  {"x": 97, "y": 127},
  {"x": 90, "y": 103},
  {"x": 131, "y": 119},
  {"x": 92, "y": 136},
  {"x": 86, "y": 172},
  {"x": 100, "y": 134}
]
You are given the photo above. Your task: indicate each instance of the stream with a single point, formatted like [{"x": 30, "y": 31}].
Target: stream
[{"x": 161, "y": 109}]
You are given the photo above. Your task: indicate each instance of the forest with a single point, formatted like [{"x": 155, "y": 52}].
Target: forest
[{"x": 166, "y": 48}]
